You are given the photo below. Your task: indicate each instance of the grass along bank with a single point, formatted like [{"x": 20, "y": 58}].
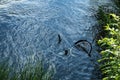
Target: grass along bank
[
  {"x": 29, "y": 72},
  {"x": 109, "y": 42}
]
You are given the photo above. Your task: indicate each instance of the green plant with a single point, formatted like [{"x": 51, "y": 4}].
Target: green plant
[
  {"x": 109, "y": 43},
  {"x": 29, "y": 72},
  {"x": 4, "y": 72}
]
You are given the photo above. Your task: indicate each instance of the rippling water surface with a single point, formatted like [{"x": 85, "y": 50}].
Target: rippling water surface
[{"x": 31, "y": 28}]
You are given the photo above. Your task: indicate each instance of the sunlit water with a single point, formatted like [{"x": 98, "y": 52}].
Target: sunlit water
[{"x": 30, "y": 29}]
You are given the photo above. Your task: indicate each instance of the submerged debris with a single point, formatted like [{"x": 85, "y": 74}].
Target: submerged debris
[
  {"x": 84, "y": 45},
  {"x": 66, "y": 52},
  {"x": 59, "y": 39}
]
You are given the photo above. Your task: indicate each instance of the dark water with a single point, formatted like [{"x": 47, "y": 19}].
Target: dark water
[{"x": 30, "y": 29}]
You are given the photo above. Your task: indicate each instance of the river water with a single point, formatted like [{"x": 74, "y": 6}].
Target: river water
[{"x": 30, "y": 29}]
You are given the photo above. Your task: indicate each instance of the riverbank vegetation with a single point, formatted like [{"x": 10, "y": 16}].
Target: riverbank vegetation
[
  {"x": 109, "y": 42},
  {"x": 29, "y": 72}
]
